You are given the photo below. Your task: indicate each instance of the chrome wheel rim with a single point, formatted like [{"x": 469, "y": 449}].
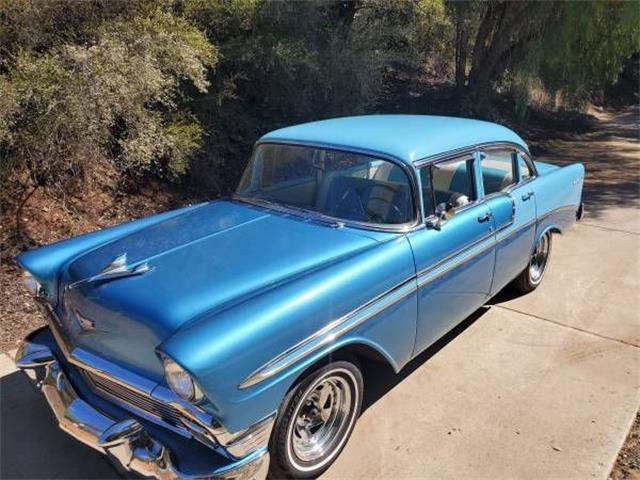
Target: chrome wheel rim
[
  {"x": 539, "y": 258},
  {"x": 322, "y": 418}
]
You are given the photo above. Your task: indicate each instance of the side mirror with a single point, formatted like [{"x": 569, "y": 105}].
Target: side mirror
[
  {"x": 436, "y": 220},
  {"x": 444, "y": 211}
]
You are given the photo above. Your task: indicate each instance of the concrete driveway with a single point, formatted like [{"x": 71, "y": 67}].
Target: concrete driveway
[{"x": 545, "y": 385}]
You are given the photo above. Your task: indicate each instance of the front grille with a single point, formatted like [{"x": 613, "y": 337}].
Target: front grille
[{"x": 112, "y": 390}]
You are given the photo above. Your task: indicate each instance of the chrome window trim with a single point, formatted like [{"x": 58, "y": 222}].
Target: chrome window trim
[
  {"x": 469, "y": 149},
  {"x": 448, "y": 159},
  {"x": 526, "y": 156},
  {"x": 514, "y": 158},
  {"x": 410, "y": 172}
]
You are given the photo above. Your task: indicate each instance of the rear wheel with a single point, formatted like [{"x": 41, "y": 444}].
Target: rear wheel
[
  {"x": 316, "y": 420},
  {"x": 531, "y": 276}
]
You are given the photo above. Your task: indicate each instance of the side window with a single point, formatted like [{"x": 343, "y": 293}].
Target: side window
[
  {"x": 498, "y": 171},
  {"x": 525, "y": 171},
  {"x": 452, "y": 184}
]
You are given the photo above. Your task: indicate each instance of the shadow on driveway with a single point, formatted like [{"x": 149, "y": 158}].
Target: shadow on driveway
[
  {"x": 610, "y": 156},
  {"x": 380, "y": 379},
  {"x": 32, "y": 445}
]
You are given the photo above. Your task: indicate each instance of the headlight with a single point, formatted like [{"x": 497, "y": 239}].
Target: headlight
[
  {"x": 32, "y": 284},
  {"x": 180, "y": 381}
]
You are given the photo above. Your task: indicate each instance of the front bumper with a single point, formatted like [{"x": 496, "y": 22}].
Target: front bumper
[{"x": 131, "y": 445}]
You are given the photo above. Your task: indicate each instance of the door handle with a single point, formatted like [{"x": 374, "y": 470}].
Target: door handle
[
  {"x": 485, "y": 217},
  {"x": 527, "y": 196}
]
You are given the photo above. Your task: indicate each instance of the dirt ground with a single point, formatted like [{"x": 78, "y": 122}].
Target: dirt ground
[
  {"x": 613, "y": 178},
  {"x": 46, "y": 219},
  {"x": 627, "y": 465}
]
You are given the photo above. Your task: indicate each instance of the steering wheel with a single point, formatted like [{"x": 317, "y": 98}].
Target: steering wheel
[
  {"x": 385, "y": 201},
  {"x": 362, "y": 208}
]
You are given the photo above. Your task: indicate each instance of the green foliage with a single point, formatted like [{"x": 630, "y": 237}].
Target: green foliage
[
  {"x": 587, "y": 48},
  {"x": 115, "y": 99},
  {"x": 118, "y": 89},
  {"x": 568, "y": 48},
  {"x": 288, "y": 62}
]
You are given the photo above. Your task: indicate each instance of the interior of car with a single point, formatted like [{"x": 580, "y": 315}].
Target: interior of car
[{"x": 344, "y": 185}]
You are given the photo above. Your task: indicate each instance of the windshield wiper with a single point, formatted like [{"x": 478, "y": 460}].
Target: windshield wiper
[
  {"x": 317, "y": 216},
  {"x": 285, "y": 208}
]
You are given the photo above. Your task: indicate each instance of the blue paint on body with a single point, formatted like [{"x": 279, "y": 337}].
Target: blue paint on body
[
  {"x": 405, "y": 137},
  {"x": 233, "y": 285}
]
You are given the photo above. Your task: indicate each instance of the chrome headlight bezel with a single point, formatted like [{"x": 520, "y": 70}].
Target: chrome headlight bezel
[
  {"x": 32, "y": 285},
  {"x": 180, "y": 381}
]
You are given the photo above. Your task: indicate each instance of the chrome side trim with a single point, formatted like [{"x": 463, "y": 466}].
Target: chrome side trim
[
  {"x": 515, "y": 230},
  {"x": 568, "y": 208},
  {"x": 443, "y": 267},
  {"x": 451, "y": 256},
  {"x": 342, "y": 325},
  {"x": 330, "y": 332}
]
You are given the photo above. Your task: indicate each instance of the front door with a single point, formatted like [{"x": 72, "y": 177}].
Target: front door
[{"x": 455, "y": 262}]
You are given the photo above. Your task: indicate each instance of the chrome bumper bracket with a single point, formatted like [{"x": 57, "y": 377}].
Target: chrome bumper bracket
[{"x": 126, "y": 442}]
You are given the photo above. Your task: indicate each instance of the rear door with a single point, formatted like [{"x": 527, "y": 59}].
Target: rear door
[{"x": 507, "y": 189}]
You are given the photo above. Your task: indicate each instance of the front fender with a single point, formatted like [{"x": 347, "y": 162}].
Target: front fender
[{"x": 376, "y": 286}]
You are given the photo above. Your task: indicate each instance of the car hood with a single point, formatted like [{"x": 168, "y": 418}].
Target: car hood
[{"x": 200, "y": 262}]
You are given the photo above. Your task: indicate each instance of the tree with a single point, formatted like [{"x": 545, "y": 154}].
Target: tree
[
  {"x": 291, "y": 62},
  {"x": 569, "y": 46},
  {"x": 97, "y": 93}
]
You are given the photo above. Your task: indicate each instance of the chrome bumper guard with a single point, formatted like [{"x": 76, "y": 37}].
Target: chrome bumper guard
[{"x": 126, "y": 442}]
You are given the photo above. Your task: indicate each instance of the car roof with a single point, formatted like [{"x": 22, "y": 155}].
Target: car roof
[{"x": 406, "y": 137}]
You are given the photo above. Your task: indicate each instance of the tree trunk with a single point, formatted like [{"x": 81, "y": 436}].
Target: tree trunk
[
  {"x": 507, "y": 30},
  {"x": 19, "y": 231},
  {"x": 461, "y": 49}
]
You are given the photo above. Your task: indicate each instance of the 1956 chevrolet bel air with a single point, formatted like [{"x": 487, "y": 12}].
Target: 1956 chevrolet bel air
[{"x": 224, "y": 339}]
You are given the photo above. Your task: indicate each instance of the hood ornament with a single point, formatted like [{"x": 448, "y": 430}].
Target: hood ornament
[{"x": 117, "y": 268}]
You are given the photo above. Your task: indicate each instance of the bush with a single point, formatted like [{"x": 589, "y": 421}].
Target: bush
[{"x": 110, "y": 102}]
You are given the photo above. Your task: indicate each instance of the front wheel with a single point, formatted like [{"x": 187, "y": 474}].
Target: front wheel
[
  {"x": 531, "y": 276},
  {"x": 316, "y": 420}
]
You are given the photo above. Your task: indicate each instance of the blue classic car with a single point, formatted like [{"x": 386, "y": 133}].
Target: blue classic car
[{"x": 225, "y": 339}]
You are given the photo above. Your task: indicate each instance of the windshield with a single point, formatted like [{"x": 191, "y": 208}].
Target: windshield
[{"x": 344, "y": 185}]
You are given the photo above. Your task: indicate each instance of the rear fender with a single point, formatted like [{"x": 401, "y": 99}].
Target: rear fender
[{"x": 558, "y": 194}]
